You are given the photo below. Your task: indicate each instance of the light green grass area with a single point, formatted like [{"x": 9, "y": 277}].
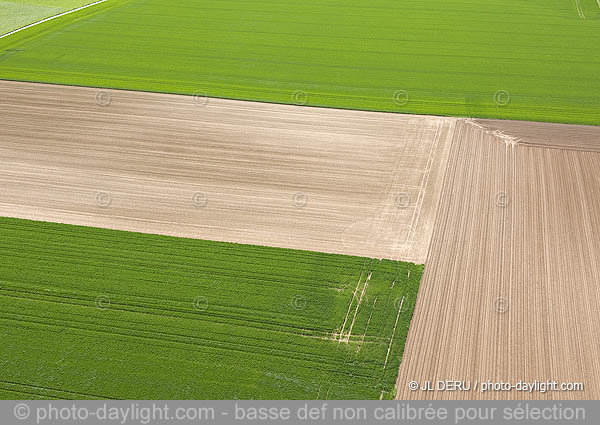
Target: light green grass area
[
  {"x": 530, "y": 60},
  {"x": 93, "y": 313},
  {"x": 17, "y": 14}
]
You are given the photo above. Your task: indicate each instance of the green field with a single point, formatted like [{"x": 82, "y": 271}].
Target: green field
[
  {"x": 530, "y": 60},
  {"x": 17, "y": 14},
  {"x": 93, "y": 313}
]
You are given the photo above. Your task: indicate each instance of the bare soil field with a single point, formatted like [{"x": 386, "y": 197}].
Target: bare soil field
[
  {"x": 557, "y": 136},
  {"x": 511, "y": 290},
  {"x": 327, "y": 180}
]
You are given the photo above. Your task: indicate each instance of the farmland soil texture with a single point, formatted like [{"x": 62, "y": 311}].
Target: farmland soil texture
[
  {"x": 510, "y": 291},
  {"x": 347, "y": 182}
]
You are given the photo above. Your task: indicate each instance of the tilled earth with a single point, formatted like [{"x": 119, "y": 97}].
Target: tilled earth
[
  {"x": 511, "y": 286},
  {"x": 347, "y": 182}
]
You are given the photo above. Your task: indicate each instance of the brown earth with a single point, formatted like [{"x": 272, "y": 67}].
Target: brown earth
[
  {"x": 328, "y": 180},
  {"x": 548, "y": 135},
  {"x": 511, "y": 289}
]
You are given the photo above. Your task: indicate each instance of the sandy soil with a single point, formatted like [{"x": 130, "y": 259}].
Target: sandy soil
[
  {"x": 326, "y": 180},
  {"x": 511, "y": 287},
  {"x": 558, "y": 136}
]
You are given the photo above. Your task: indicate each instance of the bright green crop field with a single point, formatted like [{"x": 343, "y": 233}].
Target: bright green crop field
[
  {"x": 93, "y": 313},
  {"x": 18, "y": 13},
  {"x": 530, "y": 60}
]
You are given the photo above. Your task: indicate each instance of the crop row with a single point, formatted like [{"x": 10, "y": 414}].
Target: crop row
[{"x": 109, "y": 318}]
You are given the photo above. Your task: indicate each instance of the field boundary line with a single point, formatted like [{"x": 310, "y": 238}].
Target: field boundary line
[
  {"x": 507, "y": 139},
  {"x": 410, "y": 238},
  {"x": 51, "y": 18},
  {"x": 514, "y": 141}
]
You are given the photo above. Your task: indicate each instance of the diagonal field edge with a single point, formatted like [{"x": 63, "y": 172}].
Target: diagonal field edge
[{"x": 51, "y": 18}]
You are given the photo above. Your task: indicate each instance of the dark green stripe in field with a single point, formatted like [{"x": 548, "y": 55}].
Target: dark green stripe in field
[
  {"x": 87, "y": 312},
  {"x": 529, "y": 60}
]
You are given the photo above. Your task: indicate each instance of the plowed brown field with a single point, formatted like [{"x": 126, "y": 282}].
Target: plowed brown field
[
  {"x": 511, "y": 290},
  {"x": 549, "y": 135},
  {"x": 327, "y": 180}
]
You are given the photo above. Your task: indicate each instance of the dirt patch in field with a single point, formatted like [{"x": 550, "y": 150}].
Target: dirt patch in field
[
  {"x": 327, "y": 180},
  {"x": 511, "y": 286}
]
